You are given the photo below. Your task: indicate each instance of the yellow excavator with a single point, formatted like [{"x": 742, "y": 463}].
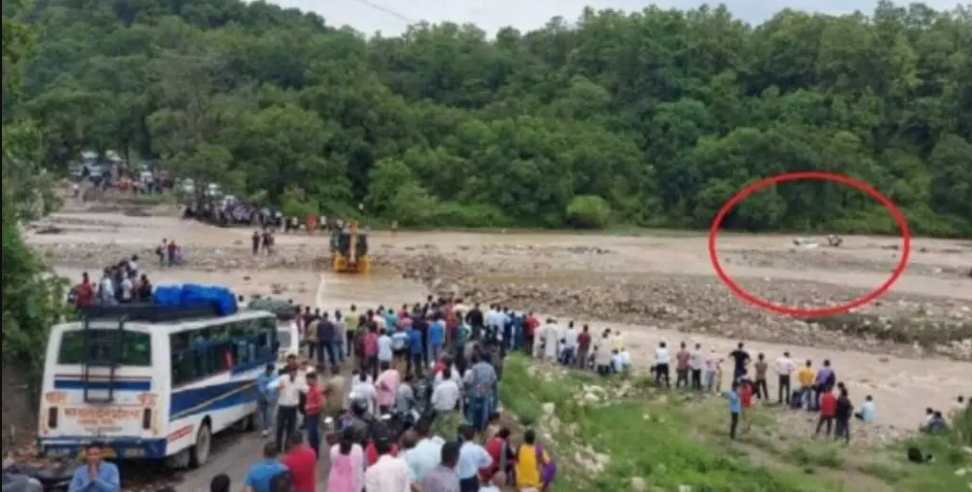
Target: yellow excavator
[{"x": 349, "y": 250}]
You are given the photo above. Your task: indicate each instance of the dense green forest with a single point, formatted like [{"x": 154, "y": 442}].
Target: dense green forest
[{"x": 653, "y": 117}]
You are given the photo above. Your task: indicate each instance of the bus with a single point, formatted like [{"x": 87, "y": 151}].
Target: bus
[{"x": 152, "y": 382}]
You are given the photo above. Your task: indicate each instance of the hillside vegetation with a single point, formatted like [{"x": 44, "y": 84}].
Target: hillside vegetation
[{"x": 651, "y": 117}]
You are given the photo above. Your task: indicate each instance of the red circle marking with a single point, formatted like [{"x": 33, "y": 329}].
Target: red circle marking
[{"x": 819, "y": 176}]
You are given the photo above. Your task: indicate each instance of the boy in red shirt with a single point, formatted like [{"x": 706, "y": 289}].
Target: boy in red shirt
[
  {"x": 828, "y": 409},
  {"x": 302, "y": 463},
  {"x": 313, "y": 405},
  {"x": 84, "y": 292},
  {"x": 371, "y": 350}
]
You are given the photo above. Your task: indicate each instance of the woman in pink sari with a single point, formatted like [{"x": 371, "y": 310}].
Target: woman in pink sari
[{"x": 347, "y": 465}]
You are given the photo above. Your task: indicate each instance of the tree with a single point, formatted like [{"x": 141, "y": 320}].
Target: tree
[
  {"x": 589, "y": 211},
  {"x": 33, "y": 298},
  {"x": 952, "y": 181},
  {"x": 205, "y": 164},
  {"x": 657, "y": 111}
]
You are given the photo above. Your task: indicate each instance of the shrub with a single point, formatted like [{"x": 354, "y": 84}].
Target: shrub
[
  {"x": 469, "y": 215},
  {"x": 295, "y": 203},
  {"x": 589, "y": 211}
]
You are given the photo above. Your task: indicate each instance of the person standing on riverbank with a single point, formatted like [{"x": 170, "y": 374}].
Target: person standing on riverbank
[
  {"x": 682, "y": 367},
  {"x": 583, "y": 348},
  {"x": 761, "y": 366},
  {"x": 842, "y": 415},
  {"x": 784, "y": 368},
  {"x": 828, "y": 409},
  {"x": 697, "y": 364},
  {"x": 735, "y": 409},
  {"x": 806, "y": 377},
  {"x": 824, "y": 382},
  {"x": 741, "y": 360},
  {"x": 662, "y": 360}
]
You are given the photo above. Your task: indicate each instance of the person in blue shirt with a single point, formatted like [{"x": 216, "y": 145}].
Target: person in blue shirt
[
  {"x": 266, "y": 399},
  {"x": 260, "y": 475},
  {"x": 415, "y": 351},
  {"x": 391, "y": 320},
  {"x": 735, "y": 408},
  {"x": 436, "y": 337},
  {"x": 517, "y": 330},
  {"x": 95, "y": 475}
]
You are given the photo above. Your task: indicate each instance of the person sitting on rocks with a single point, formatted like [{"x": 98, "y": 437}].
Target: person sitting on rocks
[
  {"x": 868, "y": 410},
  {"x": 936, "y": 424}
]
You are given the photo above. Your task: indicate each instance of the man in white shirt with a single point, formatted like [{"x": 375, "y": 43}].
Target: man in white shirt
[
  {"x": 662, "y": 360},
  {"x": 625, "y": 357},
  {"x": 784, "y": 367},
  {"x": 106, "y": 290},
  {"x": 494, "y": 321},
  {"x": 289, "y": 387},
  {"x": 364, "y": 390},
  {"x": 127, "y": 288},
  {"x": 551, "y": 340},
  {"x": 133, "y": 266},
  {"x": 472, "y": 457},
  {"x": 570, "y": 344},
  {"x": 426, "y": 454},
  {"x": 388, "y": 474},
  {"x": 385, "y": 351},
  {"x": 446, "y": 394},
  {"x": 697, "y": 364}
]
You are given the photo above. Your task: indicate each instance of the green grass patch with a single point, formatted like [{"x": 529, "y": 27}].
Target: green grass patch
[
  {"x": 814, "y": 454},
  {"x": 890, "y": 473},
  {"x": 668, "y": 439},
  {"x": 643, "y": 436}
]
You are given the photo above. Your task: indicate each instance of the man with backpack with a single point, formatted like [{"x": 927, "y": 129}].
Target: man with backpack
[{"x": 266, "y": 475}]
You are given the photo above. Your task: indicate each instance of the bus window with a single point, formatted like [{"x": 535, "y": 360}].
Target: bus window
[
  {"x": 103, "y": 346},
  {"x": 183, "y": 367}
]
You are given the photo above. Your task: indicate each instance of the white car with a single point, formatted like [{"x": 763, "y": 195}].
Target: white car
[
  {"x": 187, "y": 186},
  {"x": 288, "y": 336}
]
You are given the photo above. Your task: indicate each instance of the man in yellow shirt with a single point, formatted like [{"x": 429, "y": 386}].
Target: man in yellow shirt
[{"x": 806, "y": 376}]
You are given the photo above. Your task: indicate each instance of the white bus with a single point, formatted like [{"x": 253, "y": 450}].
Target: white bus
[{"x": 152, "y": 382}]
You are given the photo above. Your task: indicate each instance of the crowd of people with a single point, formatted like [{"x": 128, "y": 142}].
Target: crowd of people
[
  {"x": 420, "y": 412},
  {"x": 120, "y": 283}
]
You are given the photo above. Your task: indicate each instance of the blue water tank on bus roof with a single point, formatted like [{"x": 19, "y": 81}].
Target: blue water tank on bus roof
[
  {"x": 167, "y": 295},
  {"x": 189, "y": 295},
  {"x": 221, "y": 297}
]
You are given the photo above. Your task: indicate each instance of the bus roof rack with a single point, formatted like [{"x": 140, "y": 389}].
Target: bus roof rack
[{"x": 150, "y": 312}]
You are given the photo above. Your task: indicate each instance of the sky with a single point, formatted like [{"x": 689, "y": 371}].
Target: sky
[{"x": 392, "y": 17}]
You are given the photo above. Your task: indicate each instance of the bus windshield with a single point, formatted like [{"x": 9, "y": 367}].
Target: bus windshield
[{"x": 127, "y": 348}]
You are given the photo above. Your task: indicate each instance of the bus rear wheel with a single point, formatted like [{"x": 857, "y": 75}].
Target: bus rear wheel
[{"x": 199, "y": 453}]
